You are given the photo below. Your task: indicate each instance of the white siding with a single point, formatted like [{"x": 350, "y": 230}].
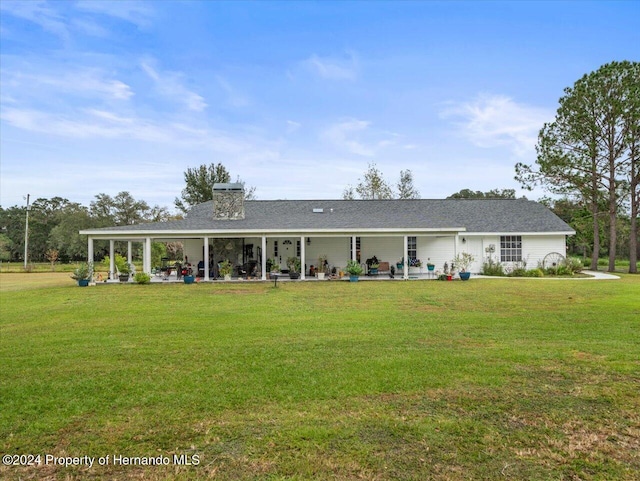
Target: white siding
[
  {"x": 534, "y": 248},
  {"x": 436, "y": 250}
]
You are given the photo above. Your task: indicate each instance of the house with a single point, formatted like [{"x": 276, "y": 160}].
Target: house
[{"x": 249, "y": 232}]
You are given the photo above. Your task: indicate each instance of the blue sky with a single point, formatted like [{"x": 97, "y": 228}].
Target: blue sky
[{"x": 295, "y": 98}]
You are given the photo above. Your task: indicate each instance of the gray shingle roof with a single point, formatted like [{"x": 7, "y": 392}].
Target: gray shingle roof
[{"x": 486, "y": 215}]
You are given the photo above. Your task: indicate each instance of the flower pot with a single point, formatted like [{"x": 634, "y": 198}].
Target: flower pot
[
  {"x": 83, "y": 282},
  {"x": 227, "y": 277},
  {"x": 465, "y": 276},
  {"x": 431, "y": 267},
  {"x": 124, "y": 277},
  {"x": 449, "y": 277},
  {"x": 373, "y": 271},
  {"x": 353, "y": 278},
  {"x": 294, "y": 275},
  {"x": 320, "y": 275},
  {"x": 188, "y": 279},
  {"x": 399, "y": 266}
]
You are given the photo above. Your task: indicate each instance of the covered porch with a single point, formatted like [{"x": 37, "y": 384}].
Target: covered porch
[{"x": 251, "y": 253}]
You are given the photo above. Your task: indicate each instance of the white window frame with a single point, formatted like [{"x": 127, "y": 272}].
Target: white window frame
[{"x": 510, "y": 248}]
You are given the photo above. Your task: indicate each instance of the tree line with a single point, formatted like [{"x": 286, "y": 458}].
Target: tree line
[{"x": 54, "y": 223}]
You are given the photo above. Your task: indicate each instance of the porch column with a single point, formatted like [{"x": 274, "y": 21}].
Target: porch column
[
  {"x": 302, "y": 257},
  {"x": 264, "y": 258},
  {"x": 206, "y": 258},
  {"x": 147, "y": 256},
  {"x": 112, "y": 261},
  {"x": 353, "y": 248},
  {"x": 129, "y": 260},
  {"x": 90, "y": 249},
  {"x": 405, "y": 267}
]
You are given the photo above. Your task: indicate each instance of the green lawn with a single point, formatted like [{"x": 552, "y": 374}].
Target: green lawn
[{"x": 488, "y": 379}]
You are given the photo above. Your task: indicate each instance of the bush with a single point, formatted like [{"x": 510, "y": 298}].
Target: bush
[
  {"x": 492, "y": 268},
  {"x": 574, "y": 265},
  {"x": 534, "y": 273},
  {"x": 518, "y": 272},
  {"x": 142, "y": 278}
]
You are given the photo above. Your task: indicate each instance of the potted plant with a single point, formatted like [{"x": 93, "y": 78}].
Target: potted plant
[
  {"x": 400, "y": 264},
  {"x": 83, "y": 273},
  {"x": 430, "y": 266},
  {"x": 323, "y": 266},
  {"x": 123, "y": 267},
  {"x": 354, "y": 269},
  {"x": 273, "y": 267},
  {"x": 372, "y": 265},
  {"x": 225, "y": 270},
  {"x": 447, "y": 272},
  {"x": 463, "y": 261},
  {"x": 293, "y": 263},
  {"x": 415, "y": 263}
]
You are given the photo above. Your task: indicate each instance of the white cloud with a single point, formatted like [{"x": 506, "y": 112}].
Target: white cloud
[
  {"x": 233, "y": 96},
  {"x": 292, "y": 126},
  {"x": 345, "y": 135},
  {"x": 497, "y": 120},
  {"x": 332, "y": 68},
  {"x": 169, "y": 84},
  {"x": 75, "y": 82},
  {"x": 136, "y": 12},
  {"x": 356, "y": 137},
  {"x": 37, "y": 12}
]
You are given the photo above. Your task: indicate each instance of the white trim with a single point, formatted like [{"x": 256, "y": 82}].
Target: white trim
[
  {"x": 112, "y": 262},
  {"x": 264, "y": 258},
  {"x": 133, "y": 234},
  {"x": 479, "y": 234},
  {"x": 303, "y": 254},
  {"x": 206, "y": 259}
]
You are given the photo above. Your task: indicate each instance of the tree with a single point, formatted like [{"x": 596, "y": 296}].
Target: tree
[
  {"x": 634, "y": 175},
  {"x": 492, "y": 194},
  {"x": 406, "y": 189},
  {"x": 124, "y": 209},
  {"x": 374, "y": 186},
  {"x": 582, "y": 152},
  {"x": 52, "y": 255},
  {"x": 65, "y": 236},
  {"x": 200, "y": 182}
]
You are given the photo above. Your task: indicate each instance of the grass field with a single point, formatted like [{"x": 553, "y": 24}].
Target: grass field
[{"x": 488, "y": 379}]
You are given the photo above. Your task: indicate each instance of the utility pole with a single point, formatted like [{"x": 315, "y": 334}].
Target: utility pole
[{"x": 26, "y": 236}]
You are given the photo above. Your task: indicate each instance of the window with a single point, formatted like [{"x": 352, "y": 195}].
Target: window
[
  {"x": 510, "y": 248},
  {"x": 275, "y": 248},
  {"x": 412, "y": 248},
  {"x": 298, "y": 252}
]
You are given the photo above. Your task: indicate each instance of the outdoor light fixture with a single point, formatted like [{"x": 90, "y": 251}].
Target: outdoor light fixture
[
  {"x": 308, "y": 241},
  {"x": 464, "y": 240}
]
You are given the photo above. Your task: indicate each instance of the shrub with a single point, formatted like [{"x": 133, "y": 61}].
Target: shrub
[
  {"x": 564, "y": 270},
  {"x": 492, "y": 268},
  {"x": 574, "y": 265},
  {"x": 534, "y": 273},
  {"x": 518, "y": 272},
  {"x": 142, "y": 278}
]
